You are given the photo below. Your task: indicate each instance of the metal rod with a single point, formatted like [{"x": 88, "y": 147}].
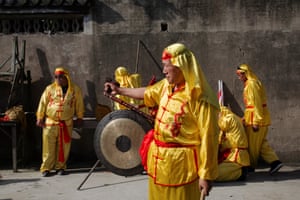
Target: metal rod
[
  {"x": 89, "y": 174},
  {"x": 130, "y": 106},
  {"x": 14, "y": 53},
  {"x": 148, "y": 51},
  {"x": 137, "y": 57}
]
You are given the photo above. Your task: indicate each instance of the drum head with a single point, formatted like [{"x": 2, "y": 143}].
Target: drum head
[{"x": 117, "y": 140}]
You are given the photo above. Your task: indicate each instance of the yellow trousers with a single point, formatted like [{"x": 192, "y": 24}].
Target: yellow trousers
[
  {"x": 229, "y": 171},
  {"x": 185, "y": 192},
  {"x": 259, "y": 146},
  {"x": 51, "y": 149}
]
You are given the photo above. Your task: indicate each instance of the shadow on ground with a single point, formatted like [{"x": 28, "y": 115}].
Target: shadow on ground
[
  {"x": 17, "y": 180},
  {"x": 263, "y": 176}
]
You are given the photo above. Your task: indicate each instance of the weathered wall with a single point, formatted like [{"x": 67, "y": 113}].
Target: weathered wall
[{"x": 264, "y": 34}]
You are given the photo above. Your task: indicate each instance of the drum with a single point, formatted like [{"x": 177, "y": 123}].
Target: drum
[{"x": 117, "y": 140}]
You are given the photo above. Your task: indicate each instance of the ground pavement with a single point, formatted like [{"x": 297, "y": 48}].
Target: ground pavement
[{"x": 27, "y": 184}]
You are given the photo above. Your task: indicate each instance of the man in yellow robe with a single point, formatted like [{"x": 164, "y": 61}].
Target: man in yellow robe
[
  {"x": 182, "y": 158},
  {"x": 59, "y": 103},
  {"x": 257, "y": 119},
  {"x": 233, "y": 147},
  {"x": 128, "y": 81}
]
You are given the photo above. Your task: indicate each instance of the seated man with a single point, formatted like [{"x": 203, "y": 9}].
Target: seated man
[{"x": 233, "y": 147}]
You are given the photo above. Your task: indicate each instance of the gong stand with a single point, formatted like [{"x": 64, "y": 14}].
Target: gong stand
[
  {"x": 131, "y": 107},
  {"x": 89, "y": 174}
]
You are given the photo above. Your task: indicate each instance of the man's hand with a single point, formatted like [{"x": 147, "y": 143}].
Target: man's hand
[
  {"x": 205, "y": 186},
  {"x": 40, "y": 123},
  {"x": 255, "y": 128},
  {"x": 111, "y": 88}
]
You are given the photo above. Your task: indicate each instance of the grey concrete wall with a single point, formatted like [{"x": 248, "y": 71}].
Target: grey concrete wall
[{"x": 222, "y": 34}]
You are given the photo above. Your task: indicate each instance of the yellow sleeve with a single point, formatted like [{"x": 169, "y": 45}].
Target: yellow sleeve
[
  {"x": 254, "y": 105},
  {"x": 209, "y": 133},
  {"x": 41, "y": 110},
  {"x": 135, "y": 80},
  {"x": 153, "y": 93},
  {"x": 223, "y": 123}
]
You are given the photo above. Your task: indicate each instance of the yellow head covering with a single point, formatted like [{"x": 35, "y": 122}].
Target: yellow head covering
[
  {"x": 127, "y": 80},
  {"x": 196, "y": 85},
  {"x": 65, "y": 72},
  {"x": 122, "y": 76},
  {"x": 246, "y": 69},
  {"x": 121, "y": 71}
]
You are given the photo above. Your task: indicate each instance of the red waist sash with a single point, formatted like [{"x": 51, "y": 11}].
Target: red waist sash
[
  {"x": 172, "y": 144},
  {"x": 250, "y": 106}
]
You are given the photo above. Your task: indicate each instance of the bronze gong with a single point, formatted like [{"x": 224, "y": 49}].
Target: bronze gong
[{"x": 117, "y": 140}]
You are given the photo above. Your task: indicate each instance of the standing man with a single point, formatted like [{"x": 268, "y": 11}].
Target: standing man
[
  {"x": 257, "y": 119},
  {"x": 233, "y": 147},
  {"x": 59, "y": 103},
  {"x": 182, "y": 157}
]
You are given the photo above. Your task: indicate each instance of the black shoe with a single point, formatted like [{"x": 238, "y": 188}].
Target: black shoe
[
  {"x": 250, "y": 169},
  {"x": 243, "y": 177},
  {"x": 45, "y": 173},
  {"x": 275, "y": 166},
  {"x": 61, "y": 172}
]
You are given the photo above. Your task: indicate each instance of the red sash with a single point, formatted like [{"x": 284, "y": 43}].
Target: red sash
[
  {"x": 223, "y": 155},
  {"x": 144, "y": 148},
  {"x": 64, "y": 137}
]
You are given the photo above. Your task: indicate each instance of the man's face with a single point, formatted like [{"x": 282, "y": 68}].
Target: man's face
[
  {"x": 172, "y": 73},
  {"x": 242, "y": 76},
  {"x": 61, "y": 80}
]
